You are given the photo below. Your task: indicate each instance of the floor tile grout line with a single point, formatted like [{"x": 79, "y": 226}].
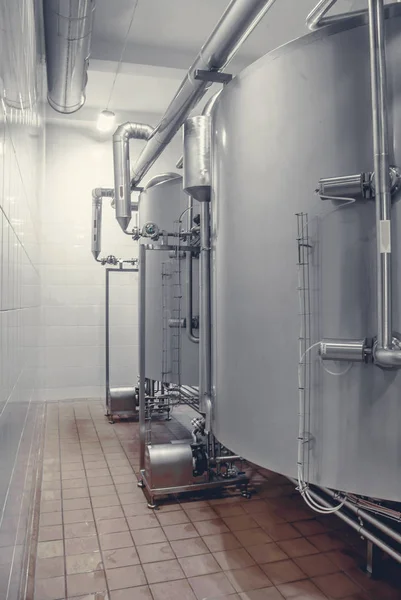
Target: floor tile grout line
[
  {"x": 62, "y": 501},
  {"x": 34, "y": 520},
  {"x": 33, "y": 494},
  {"x": 97, "y": 423},
  {"x": 118, "y": 496},
  {"x": 90, "y": 497}
]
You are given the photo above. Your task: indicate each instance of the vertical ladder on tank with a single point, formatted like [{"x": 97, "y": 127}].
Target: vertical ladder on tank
[
  {"x": 303, "y": 252},
  {"x": 166, "y": 278},
  {"x": 177, "y": 315}
]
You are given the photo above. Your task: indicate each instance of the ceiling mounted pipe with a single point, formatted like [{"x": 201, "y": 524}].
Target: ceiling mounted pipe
[
  {"x": 237, "y": 23},
  {"x": 68, "y": 29}
]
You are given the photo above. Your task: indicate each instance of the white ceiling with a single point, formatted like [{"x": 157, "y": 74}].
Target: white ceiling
[
  {"x": 165, "y": 37},
  {"x": 170, "y": 32}
]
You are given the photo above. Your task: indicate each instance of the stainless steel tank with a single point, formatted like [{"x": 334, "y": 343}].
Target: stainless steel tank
[
  {"x": 170, "y": 355},
  {"x": 300, "y": 113}
]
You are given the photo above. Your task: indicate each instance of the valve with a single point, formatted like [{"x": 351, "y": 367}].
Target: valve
[{"x": 151, "y": 230}]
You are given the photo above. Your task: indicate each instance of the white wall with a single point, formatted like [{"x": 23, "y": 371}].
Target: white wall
[
  {"x": 21, "y": 170},
  {"x": 72, "y": 349}
]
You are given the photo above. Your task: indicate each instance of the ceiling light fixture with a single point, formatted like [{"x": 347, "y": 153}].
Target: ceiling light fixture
[
  {"x": 106, "y": 118},
  {"x": 106, "y": 121}
]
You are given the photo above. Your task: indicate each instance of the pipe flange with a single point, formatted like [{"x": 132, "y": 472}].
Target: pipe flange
[{"x": 395, "y": 181}]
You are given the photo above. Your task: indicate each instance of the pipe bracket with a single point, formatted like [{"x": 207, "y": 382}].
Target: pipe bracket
[{"x": 212, "y": 76}]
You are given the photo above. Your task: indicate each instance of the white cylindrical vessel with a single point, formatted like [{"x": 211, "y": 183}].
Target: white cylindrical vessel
[
  {"x": 298, "y": 114},
  {"x": 171, "y": 357}
]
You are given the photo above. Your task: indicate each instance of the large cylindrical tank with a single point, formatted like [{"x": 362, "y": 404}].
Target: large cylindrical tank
[
  {"x": 170, "y": 356},
  {"x": 298, "y": 114}
]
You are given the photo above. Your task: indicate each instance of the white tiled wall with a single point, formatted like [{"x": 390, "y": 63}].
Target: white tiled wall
[
  {"x": 21, "y": 170},
  {"x": 71, "y": 357}
]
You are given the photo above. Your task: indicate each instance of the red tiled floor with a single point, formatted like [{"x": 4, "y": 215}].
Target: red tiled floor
[
  {"x": 252, "y": 537},
  {"x": 190, "y": 547},
  {"x": 249, "y": 578},
  {"x": 211, "y": 526},
  {"x": 211, "y": 586},
  {"x": 301, "y": 589},
  {"x": 180, "y": 532},
  {"x": 100, "y": 539},
  {"x": 266, "y": 553},
  {"x": 202, "y": 564},
  {"x": 172, "y": 590},
  {"x": 337, "y": 585},
  {"x": 168, "y": 570},
  {"x": 283, "y": 571},
  {"x": 221, "y": 541},
  {"x": 125, "y": 577},
  {"x": 234, "y": 559},
  {"x": 155, "y": 552}
]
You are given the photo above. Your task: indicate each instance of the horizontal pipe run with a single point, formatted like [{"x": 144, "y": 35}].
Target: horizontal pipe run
[
  {"x": 362, "y": 531},
  {"x": 237, "y": 22},
  {"x": 365, "y": 515},
  {"x": 221, "y": 459}
]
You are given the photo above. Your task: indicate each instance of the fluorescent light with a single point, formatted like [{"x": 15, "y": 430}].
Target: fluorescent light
[{"x": 106, "y": 120}]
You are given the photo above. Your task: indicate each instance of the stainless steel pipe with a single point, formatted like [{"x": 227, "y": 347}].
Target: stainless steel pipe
[
  {"x": 366, "y": 516},
  {"x": 237, "y": 22},
  {"x": 205, "y": 321},
  {"x": 68, "y": 31},
  {"x": 197, "y": 183},
  {"x": 362, "y": 531},
  {"x": 386, "y": 352},
  {"x": 189, "y": 282},
  {"x": 359, "y": 528},
  {"x": 97, "y": 196},
  {"x": 142, "y": 353},
  {"x": 121, "y": 158},
  {"x": 381, "y": 168},
  {"x": 314, "y": 19}
]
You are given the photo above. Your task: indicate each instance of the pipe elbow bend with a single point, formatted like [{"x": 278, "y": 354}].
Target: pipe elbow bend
[
  {"x": 387, "y": 358},
  {"x": 128, "y": 130}
]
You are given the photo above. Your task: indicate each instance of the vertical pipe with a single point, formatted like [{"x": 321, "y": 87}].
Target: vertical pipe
[
  {"x": 142, "y": 355},
  {"x": 381, "y": 168},
  {"x": 107, "y": 341},
  {"x": 189, "y": 277},
  {"x": 96, "y": 226},
  {"x": 205, "y": 364}
]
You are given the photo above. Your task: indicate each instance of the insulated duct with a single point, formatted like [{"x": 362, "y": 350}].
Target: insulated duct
[
  {"x": 18, "y": 54},
  {"x": 237, "y": 23},
  {"x": 97, "y": 196},
  {"x": 68, "y": 30},
  {"x": 122, "y": 184}
]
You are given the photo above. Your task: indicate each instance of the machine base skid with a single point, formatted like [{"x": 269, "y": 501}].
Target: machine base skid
[{"x": 241, "y": 482}]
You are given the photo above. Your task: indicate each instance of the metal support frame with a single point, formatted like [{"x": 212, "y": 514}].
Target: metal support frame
[
  {"x": 109, "y": 407},
  {"x": 241, "y": 481}
]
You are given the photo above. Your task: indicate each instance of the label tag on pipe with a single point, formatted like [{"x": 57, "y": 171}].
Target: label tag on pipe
[{"x": 385, "y": 237}]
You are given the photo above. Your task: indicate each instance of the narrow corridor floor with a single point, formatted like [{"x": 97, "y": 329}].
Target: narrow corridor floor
[{"x": 98, "y": 540}]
